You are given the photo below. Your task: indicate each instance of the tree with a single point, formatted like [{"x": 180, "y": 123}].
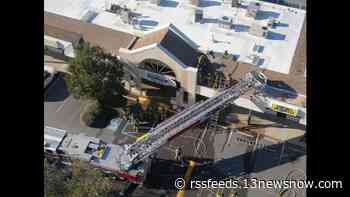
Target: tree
[
  {"x": 91, "y": 113},
  {"x": 53, "y": 181},
  {"x": 82, "y": 181},
  {"x": 94, "y": 74},
  {"x": 87, "y": 182}
]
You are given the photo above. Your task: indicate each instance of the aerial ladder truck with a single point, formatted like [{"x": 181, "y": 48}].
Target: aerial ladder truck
[{"x": 131, "y": 161}]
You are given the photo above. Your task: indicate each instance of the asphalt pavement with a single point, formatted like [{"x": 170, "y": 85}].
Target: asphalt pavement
[{"x": 62, "y": 110}]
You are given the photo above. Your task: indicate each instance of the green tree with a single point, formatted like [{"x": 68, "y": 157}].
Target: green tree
[
  {"x": 53, "y": 181},
  {"x": 91, "y": 113},
  {"x": 95, "y": 74},
  {"x": 81, "y": 181},
  {"x": 87, "y": 182}
]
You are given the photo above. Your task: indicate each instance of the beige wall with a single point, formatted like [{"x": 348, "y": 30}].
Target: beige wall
[{"x": 186, "y": 76}]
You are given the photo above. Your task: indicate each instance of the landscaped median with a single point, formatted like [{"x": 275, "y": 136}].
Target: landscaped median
[{"x": 95, "y": 115}]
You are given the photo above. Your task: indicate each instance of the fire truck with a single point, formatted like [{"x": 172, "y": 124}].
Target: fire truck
[{"x": 132, "y": 161}]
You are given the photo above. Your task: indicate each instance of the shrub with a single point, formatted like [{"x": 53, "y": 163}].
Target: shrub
[{"x": 91, "y": 113}]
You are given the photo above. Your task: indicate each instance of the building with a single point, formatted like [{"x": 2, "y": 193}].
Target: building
[
  {"x": 163, "y": 44},
  {"x": 301, "y": 4}
]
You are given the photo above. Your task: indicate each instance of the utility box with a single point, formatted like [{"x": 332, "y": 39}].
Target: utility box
[
  {"x": 258, "y": 30},
  {"x": 225, "y": 22},
  {"x": 198, "y": 16},
  {"x": 253, "y": 9}
]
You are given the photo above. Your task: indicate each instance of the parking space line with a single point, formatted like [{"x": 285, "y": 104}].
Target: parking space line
[
  {"x": 62, "y": 105},
  {"x": 75, "y": 114}
]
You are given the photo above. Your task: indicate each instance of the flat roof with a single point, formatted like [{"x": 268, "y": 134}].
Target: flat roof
[
  {"x": 295, "y": 79},
  {"x": 110, "y": 40},
  {"x": 279, "y": 47}
]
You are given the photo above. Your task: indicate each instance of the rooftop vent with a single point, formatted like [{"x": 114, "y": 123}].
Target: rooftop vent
[
  {"x": 225, "y": 22},
  {"x": 75, "y": 146}
]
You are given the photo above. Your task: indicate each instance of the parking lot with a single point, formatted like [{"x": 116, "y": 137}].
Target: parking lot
[{"x": 62, "y": 110}]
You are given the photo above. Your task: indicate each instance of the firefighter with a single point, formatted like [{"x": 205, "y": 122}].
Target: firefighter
[
  {"x": 226, "y": 54},
  {"x": 211, "y": 53},
  {"x": 178, "y": 154},
  {"x": 200, "y": 60}
]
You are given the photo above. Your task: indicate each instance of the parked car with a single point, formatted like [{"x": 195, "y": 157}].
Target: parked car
[{"x": 49, "y": 76}]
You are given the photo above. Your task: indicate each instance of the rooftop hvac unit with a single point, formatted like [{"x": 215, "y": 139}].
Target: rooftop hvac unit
[
  {"x": 253, "y": 9},
  {"x": 225, "y": 22},
  {"x": 256, "y": 60},
  {"x": 258, "y": 48},
  {"x": 128, "y": 17},
  {"x": 198, "y": 16},
  {"x": 125, "y": 17},
  {"x": 116, "y": 9}
]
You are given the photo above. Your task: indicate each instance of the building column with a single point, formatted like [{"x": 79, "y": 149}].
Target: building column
[
  {"x": 180, "y": 96},
  {"x": 191, "y": 84}
]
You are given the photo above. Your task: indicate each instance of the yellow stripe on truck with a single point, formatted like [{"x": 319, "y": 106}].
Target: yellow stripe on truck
[{"x": 142, "y": 137}]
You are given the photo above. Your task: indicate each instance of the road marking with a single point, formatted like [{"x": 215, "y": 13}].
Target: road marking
[
  {"x": 75, "y": 114},
  {"x": 62, "y": 105}
]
